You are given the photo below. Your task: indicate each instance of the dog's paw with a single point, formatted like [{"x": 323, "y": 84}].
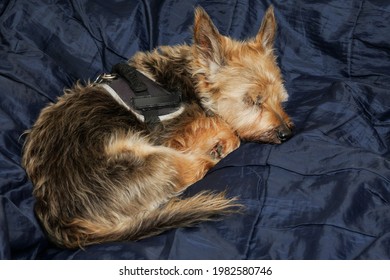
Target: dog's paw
[
  {"x": 217, "y": 152},
  {"x": 222, "y": 149}
]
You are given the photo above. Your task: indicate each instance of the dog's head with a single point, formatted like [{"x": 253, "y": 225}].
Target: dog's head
[{"x": 241, "y": 81}]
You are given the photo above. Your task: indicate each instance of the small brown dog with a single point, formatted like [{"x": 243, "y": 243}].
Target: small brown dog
[{"x": 102, "y": 174}]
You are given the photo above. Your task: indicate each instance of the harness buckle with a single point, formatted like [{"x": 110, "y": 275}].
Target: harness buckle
[{"x": 105, "y": 78}]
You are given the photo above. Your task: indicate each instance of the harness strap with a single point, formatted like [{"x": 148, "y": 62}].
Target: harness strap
[
  {"x": 130, "y": 74},
  {"x": 140, "y": 94}
]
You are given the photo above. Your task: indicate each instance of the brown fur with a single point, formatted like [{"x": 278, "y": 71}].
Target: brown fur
[
  {"x": 239, "y": 81},
  {"x": 101, "y": 175}
]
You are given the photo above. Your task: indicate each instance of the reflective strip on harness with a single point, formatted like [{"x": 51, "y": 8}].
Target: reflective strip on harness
[{"x": 145, "y": 98}]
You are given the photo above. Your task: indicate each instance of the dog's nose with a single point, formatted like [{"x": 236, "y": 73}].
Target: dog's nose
[{"x": 284, "y": 133}]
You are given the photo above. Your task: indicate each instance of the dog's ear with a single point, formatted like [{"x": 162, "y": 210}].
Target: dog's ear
[
  {"x": 267, "y": 31},
  {"x": 207, "y": 38}
]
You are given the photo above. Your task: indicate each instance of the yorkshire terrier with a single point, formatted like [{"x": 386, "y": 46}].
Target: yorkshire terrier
[{"x": 105, "y": 169}]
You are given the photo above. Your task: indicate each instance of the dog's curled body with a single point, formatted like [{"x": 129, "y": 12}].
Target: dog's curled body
[{"x": 102, "y": 175}]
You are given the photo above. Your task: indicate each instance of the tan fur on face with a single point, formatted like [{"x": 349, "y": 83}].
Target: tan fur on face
[{"x": 240, "y": 81}]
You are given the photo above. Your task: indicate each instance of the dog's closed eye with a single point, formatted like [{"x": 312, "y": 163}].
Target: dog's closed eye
[{"x": 253, "y": 99}]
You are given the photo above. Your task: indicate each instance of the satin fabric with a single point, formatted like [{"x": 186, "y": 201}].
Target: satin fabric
[{"x": 324, "y": 194}]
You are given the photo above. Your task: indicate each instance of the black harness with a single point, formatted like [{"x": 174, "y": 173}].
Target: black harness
[{"x": 145, "y": 98}]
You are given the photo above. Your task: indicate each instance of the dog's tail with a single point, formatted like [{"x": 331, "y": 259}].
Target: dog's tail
[
  {"x": 176, "y": 213},
  {"x": 202, "y": 207}
]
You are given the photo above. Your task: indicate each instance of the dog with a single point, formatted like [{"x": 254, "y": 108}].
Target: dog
[{"x": 106, "y": 171}]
